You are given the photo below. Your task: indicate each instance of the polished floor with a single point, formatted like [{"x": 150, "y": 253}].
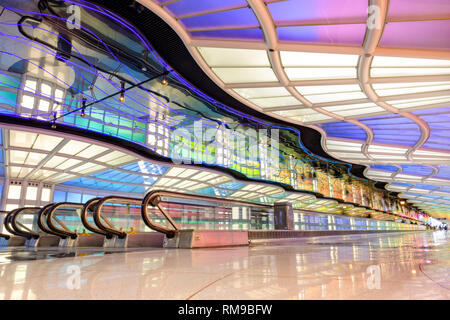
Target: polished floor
[{"x": 389, "y": 266}]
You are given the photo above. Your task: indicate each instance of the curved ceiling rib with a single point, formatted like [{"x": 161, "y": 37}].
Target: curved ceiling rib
[{"x": 384, "y": 88}]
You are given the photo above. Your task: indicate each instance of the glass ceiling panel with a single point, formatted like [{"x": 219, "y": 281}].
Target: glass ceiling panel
[
  {"x": 21, "y": 138},
  {"x": 403, "y": 72},
  {"x": 245, "y": 75},
  {"x": 389, "y": 89},
  {"x": 342, "y": 34},
  {"x": 418, "y": 102},
  {"x": 312, "y": 59},
  {"x": 250, "y": 93},
  {"x": 417, "y": 169},
  {"x": 275, "y": 101},
  {"x": 417, "y": 34},
  {"x": 318, "y": 10},
  {"x": 393, "y": 129},
  {"x": 253, "y": 34},
  {"x": 225, "y": 57},
  {"x": 443, "y": 173},
  {"x": 227, "y": 20},
  {"x": 189, "y": 7},
  {"x": 383, "y": 61},
  {"x": 384, "y": 167},
  {"x": 320, "y": 73},
  {"x": 418, "y": 8},
  {"x": 344, "y": 130}
]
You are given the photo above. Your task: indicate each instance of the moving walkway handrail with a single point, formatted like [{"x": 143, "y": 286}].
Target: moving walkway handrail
[
  {"x": 29, "y": 234},
  {"x": 7, "y": 223},
  {"x": 5, "y": 236},
  {"x": 91, "y": 205},
  {"x": 98, "y": 217},
  {"x": 2, "y": 235},
  {"x": 64, "y": 232},
  {"x": 154, "y": 198},
  {"x": 43, "y": 218}
]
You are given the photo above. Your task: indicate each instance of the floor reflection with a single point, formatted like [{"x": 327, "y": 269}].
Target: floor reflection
[{"x": 389, "y": 266}]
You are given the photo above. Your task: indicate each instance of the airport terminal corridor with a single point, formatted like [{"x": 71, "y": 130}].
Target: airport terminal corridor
[
  {"x": 389, "y": 266},
  {"x": 224, "y": 150}
]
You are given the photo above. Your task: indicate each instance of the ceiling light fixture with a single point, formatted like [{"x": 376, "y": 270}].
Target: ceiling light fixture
[
  {"x": 53, "y": 126},
  {"x": 122, "y": 92},
  {"x": 83, "y": 108},
  {"x": 164, "y": 81}
]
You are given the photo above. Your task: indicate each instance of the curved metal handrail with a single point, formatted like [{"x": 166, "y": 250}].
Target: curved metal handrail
[
  {"x": 5, "y": 236},
  {"x": 90, "y": 205},
  {"x": 7, "y": 223},
  {"x": 98, "y": 217},
  {"x": 155, "y": 197},
  {"x": 43, "y": 218},
  {"x": 29, "y": 234},
  {"x": 64, "y": 232}
]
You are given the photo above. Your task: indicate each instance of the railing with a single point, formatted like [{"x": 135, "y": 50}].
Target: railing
[
  {"x": 53, "y": 220},
  {"x": 154, "y": 198},
  {"x": 19, "y": 227},
  {"x": 120, "y": 209},
  {"x": 2, "y": 220},
  {"x": 7, "y": 223},
  {"x": 42, "y": 220},
  {"x": 88, "y": 213}
]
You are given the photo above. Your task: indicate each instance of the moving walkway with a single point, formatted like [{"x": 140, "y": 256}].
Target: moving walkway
[{"x": 173, "y": 219}]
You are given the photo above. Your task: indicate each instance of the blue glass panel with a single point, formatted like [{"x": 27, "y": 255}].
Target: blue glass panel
[
  {"x": 238, "y": 34},
  {"x": 426, "y": 187},
  {"x": 417, "y": 170},
  {"x": 344, "y": 130},
  {"x": 444, "y": 173},
  {"x": 399, "y": 184},
  {"x": 234, "y": 18},
  {"x": 438, "y": 120},
  {"x": 319, "y": 10},
  {"x": 393, "y": 129},
  {"x": 59, "y": 196},
  {"x": 232, "y": 185},
  {"x": 87, "y": 197},
  {"x": 73, "y": 197},
  {"x": 445, "y": 189},
  {"x": 9, "y": 81},
  {"x": 384, "y": 167},
  {"x": 346, "y": 34},
  {"x": 8, "y": 98},
  {"x": 187, "y": 7}
]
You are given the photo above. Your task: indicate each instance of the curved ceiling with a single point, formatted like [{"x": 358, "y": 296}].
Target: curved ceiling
[{"x": 372, "y": 76}]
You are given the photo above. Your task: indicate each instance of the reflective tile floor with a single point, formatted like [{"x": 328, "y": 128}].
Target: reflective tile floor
[{"x": 388, "y": 266}]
